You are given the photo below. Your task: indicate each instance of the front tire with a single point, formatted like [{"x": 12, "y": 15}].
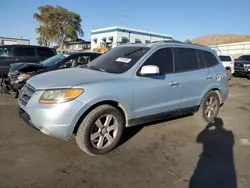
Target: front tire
[
  {"x": 101, "y": 130},
  {"x": 209, "y": 108},
  {"x": 248, "y": 76},
  {"x": 230, "y": 73}
]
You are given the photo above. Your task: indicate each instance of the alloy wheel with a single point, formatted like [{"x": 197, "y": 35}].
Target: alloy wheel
[
  {"x": 104, "y": 131},
  {"x": 211, "y": 107}
]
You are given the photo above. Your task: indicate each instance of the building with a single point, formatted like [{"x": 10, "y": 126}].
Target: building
[
  {"x": 114, "y": 36},
  {"x": 79, "y": 45},
  {"x": 7, "y": 40},
  {"x": 233, "y": 49}
]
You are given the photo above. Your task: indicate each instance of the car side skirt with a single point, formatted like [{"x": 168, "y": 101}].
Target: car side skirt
[{"x": 162, "y": 116}]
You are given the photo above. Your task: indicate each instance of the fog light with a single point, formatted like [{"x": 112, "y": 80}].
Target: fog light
[{"x": 45, "y": 131}]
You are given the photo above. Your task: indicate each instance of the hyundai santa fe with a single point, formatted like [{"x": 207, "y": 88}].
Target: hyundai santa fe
[{"x": 130, "y": 85}]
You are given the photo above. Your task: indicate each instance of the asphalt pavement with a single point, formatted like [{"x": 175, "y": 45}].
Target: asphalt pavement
[{"x": 177, "y": 153}]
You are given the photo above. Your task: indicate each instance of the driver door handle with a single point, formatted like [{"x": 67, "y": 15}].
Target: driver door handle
[{"x": 174, "y": 83}]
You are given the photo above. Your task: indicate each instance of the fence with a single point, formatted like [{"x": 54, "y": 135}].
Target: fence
[{"x": 233, "y": 49}]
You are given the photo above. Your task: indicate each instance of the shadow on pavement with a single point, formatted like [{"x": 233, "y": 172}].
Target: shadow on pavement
[
  {"x": 130, "y": 132},
  {"x": 215, "y": 168}
]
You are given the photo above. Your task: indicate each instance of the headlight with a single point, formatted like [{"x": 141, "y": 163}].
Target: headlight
[
  {"x": 23, "y": 77},
  {"x": 60, "y": 95},
  {"x": 246, "y": 65}
]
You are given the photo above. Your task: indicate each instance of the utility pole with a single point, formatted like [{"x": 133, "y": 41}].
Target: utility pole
[{"x": 122, "y": 18}]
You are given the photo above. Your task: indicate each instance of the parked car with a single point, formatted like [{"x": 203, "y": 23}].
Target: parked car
[
  {"x": 22, "y": 53},
  {"x": 130, "y": 85},
  {"x": 20, "y": 72},
  {"x": 228, "y": 63},
  {"x": 242, "y": 65}
]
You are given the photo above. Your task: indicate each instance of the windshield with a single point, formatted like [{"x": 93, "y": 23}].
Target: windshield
[
  {"x": 119, "y": 59},
  {"x": 244, "y": 58},
  {"x": 225, "y": 58},
  {"x": 54, "y": 60}
]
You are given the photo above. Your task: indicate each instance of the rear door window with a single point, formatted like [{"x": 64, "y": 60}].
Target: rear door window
[
  {"x": 210, "y": 59},
  {"x": 25, "y": 51},
  {"x": 186, "y": 60},
  {"x": 202, "y": 61}
]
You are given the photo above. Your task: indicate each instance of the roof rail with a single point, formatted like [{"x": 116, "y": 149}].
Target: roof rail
[{"x": 168, "y": 41}]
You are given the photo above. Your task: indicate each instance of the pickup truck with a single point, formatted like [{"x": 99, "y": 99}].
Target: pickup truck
[{"x": 242, "y": 66}]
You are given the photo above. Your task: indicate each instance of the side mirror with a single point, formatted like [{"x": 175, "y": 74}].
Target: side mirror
[{"x": 149, "y": 70}]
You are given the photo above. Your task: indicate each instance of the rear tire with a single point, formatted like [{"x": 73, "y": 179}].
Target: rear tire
[
  {"x": 209, "y": 108},
  {"x": 101, "y": 130}
]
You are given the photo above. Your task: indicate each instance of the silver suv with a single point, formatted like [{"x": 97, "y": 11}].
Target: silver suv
[{"x": 129, "y": 85}]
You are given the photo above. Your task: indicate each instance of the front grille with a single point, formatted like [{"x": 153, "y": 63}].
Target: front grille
[
  {"x": 238, "y": 65},
  {"x": 26, "y": 93}
]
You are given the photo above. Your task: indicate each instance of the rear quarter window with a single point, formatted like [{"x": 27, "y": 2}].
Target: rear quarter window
[
  {"x": 209, "y": 58},
  {"x": 25, "y": 51}
]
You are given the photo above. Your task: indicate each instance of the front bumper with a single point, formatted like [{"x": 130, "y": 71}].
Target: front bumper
[
  {"x": 57, "y": 120},
  {"x": 242, "y": 70}
]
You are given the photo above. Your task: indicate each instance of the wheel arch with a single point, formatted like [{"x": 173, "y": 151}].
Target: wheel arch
[
  {"x": 113, "y": 103},
  {"x": 217, "y": 90}
]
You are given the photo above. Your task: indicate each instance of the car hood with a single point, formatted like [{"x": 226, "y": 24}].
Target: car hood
[
  {"x": 242, "y": 62},
  {"x": 26, "y": 67},
  {"x": 68, "y": 78}
]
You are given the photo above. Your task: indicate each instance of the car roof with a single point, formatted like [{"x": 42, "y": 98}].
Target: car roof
[
  {"x": 73, "y": 53},
  {"x": 170, "y": 43},
  {"x": 24, "y": 45},
  {"x": 224, "y": 55}
]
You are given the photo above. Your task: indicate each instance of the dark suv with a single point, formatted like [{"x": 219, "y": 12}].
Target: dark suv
[
  {"x": 242, "y": 65},
  {"x": 22, "y": 53}
]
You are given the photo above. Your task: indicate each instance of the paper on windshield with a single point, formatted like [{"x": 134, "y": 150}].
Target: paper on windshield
[
  {"x": 65, "y": 55},
  {"x": 123, "y": 60}
]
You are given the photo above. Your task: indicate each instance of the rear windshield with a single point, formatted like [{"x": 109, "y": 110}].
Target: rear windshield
[
  {"x": 244, "y": 58},
  {"x": 225, "y": 58},
  {"x": 119, "y": 59}
]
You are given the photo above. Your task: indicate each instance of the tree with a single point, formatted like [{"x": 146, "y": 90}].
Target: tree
[
  {"x": 57, "y": 24},
  {"x": 43, "y": 39}
]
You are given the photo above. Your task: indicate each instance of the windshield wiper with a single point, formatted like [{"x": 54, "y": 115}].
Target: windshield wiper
[{"x": 95, "y": 68}]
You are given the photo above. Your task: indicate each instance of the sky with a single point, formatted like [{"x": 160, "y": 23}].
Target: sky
[{"x": 182, "y": 19}]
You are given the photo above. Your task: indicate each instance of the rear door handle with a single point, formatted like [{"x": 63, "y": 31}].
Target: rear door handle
[
  {"x": 174, "y": 83},
  {"x": 209, "y": 77}
]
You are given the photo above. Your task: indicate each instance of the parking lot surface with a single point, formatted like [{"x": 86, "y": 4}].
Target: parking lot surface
[{"x": 173, "y": 153}]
